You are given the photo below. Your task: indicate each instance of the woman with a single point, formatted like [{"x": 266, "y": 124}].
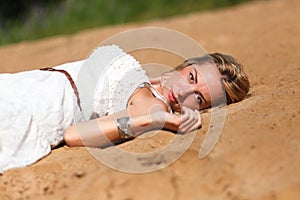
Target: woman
[{"x": 42, "y": 108}]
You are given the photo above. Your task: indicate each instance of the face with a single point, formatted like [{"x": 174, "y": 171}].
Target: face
[{"x": 196, "y": 87}]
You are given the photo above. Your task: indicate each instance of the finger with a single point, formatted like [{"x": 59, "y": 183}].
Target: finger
[
  {"x": 185, "y": 118},
  {"x": 192, "y": 121},
  {"x": 184, "y": 114},
  {"x": 193, "y": 125},
  {"x": 195, "y": 115},
  {"x": 199, "y": 121},
  {"x": 188, "y": 119}
]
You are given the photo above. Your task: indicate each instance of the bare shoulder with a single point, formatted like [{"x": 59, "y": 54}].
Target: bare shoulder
[{"x": 143, "y": 101}]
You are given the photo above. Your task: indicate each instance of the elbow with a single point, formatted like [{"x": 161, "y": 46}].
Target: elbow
[{"x": 71, "y": 137}]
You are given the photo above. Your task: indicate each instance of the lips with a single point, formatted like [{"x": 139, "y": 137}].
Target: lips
[{"x": 172, "y": 97}]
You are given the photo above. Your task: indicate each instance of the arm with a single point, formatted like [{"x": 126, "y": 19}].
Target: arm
[
  {"x": 145, "y": 112},
  {"x": 103, "y": 131}
]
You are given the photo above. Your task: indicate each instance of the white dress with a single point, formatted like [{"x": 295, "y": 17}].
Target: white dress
[{"x": 37, "y": 106}]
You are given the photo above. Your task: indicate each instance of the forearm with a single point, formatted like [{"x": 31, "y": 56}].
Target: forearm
[
  {"x": 108, "y": 125},
  {"x": 103, "y": 131}
]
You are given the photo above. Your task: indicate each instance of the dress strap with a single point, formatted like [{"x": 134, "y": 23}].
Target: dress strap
[
  {"x": 69, "y": 78},
  {"x": 156, "y": 94}
]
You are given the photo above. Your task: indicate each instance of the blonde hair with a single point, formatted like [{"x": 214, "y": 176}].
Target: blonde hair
[{"x": 234, "y": 80}]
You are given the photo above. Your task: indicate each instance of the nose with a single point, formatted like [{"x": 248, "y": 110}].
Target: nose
[{"x": 183, "y": 93}]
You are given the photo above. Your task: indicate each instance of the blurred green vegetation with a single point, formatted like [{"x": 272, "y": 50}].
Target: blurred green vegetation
[{"x": 34, "y": 19}]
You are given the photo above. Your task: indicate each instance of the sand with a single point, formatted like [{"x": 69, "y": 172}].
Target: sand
[{"x": 257, "y": 155}]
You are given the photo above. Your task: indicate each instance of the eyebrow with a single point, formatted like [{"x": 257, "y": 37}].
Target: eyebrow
[
  {"x": 196, "y": 75},
  {"x": 196, "y": 80}
]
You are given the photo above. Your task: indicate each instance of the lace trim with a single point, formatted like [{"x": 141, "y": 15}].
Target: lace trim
[{"x": 120, "y": 79}]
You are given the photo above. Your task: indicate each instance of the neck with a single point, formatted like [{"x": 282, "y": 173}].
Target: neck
[
  {"x": 157, "y": 92},
  {"x": 157, "y": 87}
]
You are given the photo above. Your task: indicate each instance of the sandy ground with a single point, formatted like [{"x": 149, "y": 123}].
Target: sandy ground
[{"x": 257, "y": 156}]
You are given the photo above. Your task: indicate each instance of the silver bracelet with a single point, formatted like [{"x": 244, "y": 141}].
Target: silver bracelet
[{"x": 123, "y": 125}]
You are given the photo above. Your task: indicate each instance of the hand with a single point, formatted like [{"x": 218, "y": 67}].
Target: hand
[{"x": 189, "y": 120}]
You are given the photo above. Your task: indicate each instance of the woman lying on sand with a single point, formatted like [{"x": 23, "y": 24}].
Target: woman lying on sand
[{"x": 42, "y": 108}]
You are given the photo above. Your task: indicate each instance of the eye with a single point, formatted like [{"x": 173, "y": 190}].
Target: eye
[
  {"x": 199, "y": 98},
  {"x": 192, "y": 78}
]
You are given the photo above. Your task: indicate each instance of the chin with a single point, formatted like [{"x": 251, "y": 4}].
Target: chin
[{"x": 176, "y": 109}]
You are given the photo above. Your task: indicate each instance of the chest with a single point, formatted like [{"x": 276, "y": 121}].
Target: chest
[{"x": 144, "y": 102}]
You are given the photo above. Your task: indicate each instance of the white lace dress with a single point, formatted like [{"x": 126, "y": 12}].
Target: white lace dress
[{"x": 37, "y": 106}]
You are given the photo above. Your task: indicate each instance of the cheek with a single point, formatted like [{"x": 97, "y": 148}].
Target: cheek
[{"x": 191, "y": 102}]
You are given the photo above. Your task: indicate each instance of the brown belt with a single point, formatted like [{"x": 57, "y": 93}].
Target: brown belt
[{"x": 69, "y": 78}]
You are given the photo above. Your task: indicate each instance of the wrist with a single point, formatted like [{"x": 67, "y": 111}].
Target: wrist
[
  {"x": 141, "y": 123},
  {"x": 124, "y": 128},
  {"x": 130, "y": 127}
]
